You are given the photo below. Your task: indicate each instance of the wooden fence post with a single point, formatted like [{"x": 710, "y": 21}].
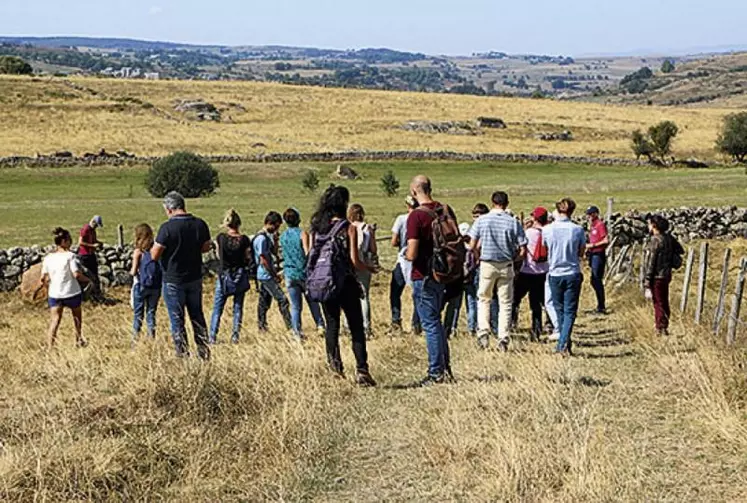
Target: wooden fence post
[
  {"x": 608, "y": 216},
  {"x": 612, "y": 270},
  {"x": 688, "y": 278},
  {"x": 642, "y": 269},
  {"x": 719, "y": 315},
  {"x": 736, "y": 304},
  {"x": 702, "y": 276},
  {"x": 120, "y": 235}
]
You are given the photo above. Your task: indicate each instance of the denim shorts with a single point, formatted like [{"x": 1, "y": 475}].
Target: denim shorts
[{"x": 70, "y": 303}]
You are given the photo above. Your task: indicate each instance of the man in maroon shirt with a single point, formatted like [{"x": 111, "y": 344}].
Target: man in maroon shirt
[
  {"x": 88, "y": 243},
  {"x": 596, "y": 251},
  {"x": 428, "y": 294}
]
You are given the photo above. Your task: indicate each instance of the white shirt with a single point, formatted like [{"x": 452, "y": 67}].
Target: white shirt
[
  {"x": 61, "y": 268},
  {"x": 400, "y": 228}
]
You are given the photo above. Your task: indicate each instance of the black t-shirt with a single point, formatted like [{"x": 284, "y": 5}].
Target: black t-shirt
[
  {"x": 233, "y": 250},
  {"x": 183, "y": 237}
]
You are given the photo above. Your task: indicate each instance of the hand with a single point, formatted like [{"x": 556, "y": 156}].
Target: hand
[{"x": 648, "y": 294}]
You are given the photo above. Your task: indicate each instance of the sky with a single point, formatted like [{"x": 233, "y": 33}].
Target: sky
[{"x": 448, "y": 27}]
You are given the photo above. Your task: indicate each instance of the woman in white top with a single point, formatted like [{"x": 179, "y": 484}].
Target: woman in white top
[
  {"x": 368, "y": 255},
  {"x": 61, "y": 274}
]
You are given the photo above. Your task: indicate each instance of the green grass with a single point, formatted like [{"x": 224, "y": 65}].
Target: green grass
[{"x": 33, "y": 201}]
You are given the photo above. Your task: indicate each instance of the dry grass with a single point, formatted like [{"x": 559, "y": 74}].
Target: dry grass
[
  {"x": 633, "y": 418},
  {"x": 47, "y": 115}
]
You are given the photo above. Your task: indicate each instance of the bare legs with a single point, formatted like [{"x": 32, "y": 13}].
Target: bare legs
[{"x": 55, "y": 316}]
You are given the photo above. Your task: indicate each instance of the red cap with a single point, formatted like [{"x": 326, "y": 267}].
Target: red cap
[{"x": 539, "y": 212}]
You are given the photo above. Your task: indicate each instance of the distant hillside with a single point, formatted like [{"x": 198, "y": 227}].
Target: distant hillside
[{"x": 97, "y": 43}]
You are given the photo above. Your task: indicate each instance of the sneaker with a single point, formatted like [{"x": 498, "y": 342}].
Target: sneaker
[
  {"x": 395, "y": 330},
  {"x": 417, "y": 331},
  {"x": 564, "y": 353},
  {"x": 337, "y": 371},
  {"x": 483, "y": 341},
  {"x": 663, "y": 332},
  {"x": 364, "y": 379},
  {"x": 554, "y": 337},
  {"x": 600, "y": 312},
  {"x": 430, "y": 380},
  {"x": 503, "y": 345},
  {"x": 235, "y": 340},
  {"x": 473, "y": 333},
  {"x": 449, "y": 376},
  {"x": 81, "y": 343}
]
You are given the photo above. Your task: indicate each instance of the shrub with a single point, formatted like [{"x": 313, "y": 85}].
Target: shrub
[
  {"x": 310, "y": 181},
  {"x": 12, "y": 65},
  {"x": 667, "y": 66},
  {"x": 662, "y": 136},
  {"x": 733, "y": 137},
  {"x": 642, "y": 146},
  {"x": 184, "y": 172},
  {"x": 389, "y": 184}
]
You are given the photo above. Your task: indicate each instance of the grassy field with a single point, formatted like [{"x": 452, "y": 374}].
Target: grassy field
[
  {"x": 34, "y": 201},
  {"x": 45, "y": 115}
]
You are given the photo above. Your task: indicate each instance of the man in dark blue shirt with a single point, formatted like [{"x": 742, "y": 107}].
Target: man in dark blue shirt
[{"x": 179, "y": 246}]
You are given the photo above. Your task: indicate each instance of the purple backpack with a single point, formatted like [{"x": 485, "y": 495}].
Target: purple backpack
[{"x": 328, "y": 264}]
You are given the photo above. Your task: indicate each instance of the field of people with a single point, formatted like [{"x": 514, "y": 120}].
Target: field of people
[
  {"x": 44, "y": 115},
  {"x": 631, "y": 417}
]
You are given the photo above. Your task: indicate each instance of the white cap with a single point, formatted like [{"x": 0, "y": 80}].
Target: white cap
[{"x": 464, "y": 228}]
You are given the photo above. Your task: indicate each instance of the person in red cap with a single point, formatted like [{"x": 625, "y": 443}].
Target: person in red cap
[{"x": 533, "y": 273}]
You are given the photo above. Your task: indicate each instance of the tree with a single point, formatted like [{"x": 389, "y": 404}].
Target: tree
[
  {"x": 184, "y": 172},
  {"x": 733, "y": 137},
  {"x": 662, "y": 135},
  {"x": 310, "y": 181},
  {"x": 12, "y": 65},
  {"x": 667, "y": 66},
  {"x": 390, "y": 184},
  {"x": 642, "y": 146}
]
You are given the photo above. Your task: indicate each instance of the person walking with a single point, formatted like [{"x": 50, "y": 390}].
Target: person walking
[
  {"x": 533, "y": 273},
  {"x": 367, "y": 253},
  {"x": 234, "y": 251},
  {"x": 472, "y": 281},
  {"x": 402, "y": 272},
  {"x": 61, "y": 274},
  {"x": 429, "y": 293},
  {"x": 295, "y": 245},
  {"x": 596, "y": 252},
  {"x": 500, "y": 241},
  {"x": 88, "y": 244},
  {"x": 665, "y": 255},
  {"x": 565, "y": 243},
  {"x": 147, "y": 281},
  {"x": 179, "y": 246},
  {"x": 331, "y": 280},
  {"x": 267, "y": 275}
]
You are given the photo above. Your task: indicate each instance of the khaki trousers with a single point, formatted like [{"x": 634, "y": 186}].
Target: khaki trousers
[{"x": 500, "y": 276}]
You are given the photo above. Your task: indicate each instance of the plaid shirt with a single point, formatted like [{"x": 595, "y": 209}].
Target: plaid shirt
[{"x": 500, "y": 236}]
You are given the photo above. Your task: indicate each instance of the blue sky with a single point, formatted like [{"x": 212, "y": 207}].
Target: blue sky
[{"x": 568, "y": 27}]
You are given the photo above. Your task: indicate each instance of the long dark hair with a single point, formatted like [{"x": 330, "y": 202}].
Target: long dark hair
[{"x": 333, "y": 204}]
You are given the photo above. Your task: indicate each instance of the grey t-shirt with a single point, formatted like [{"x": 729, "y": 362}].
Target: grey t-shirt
[{"x": 400, "y": 228}]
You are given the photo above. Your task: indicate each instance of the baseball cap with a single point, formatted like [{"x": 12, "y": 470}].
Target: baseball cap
[
  {"x": 464, "y": 228},
  {"x": 592, "y": 209},
  {"x": 98, "y": 220},
  {"x": 539, "y": 212}
]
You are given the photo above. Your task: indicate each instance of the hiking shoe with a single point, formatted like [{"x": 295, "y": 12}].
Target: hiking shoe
[
  {"x": 364, "y": 379},
  {"x": 81, "y": 343},
  {"x": 430, "y": 380},
  {"x": 483, "y": 341},
  {"x": 395, "y": 329},
  {"x": 554, "y": 337},
  {"x": 564, "y": 353},
  {"x": 417, "y": 331},
  {"x": 321, "y": 331},
  {"x": 503, "y": 345}
]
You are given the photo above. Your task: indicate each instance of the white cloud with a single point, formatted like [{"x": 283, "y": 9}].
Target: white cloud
[{"x": 155, "y": 10}]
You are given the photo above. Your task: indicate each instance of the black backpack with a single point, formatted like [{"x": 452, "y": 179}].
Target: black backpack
[{"x": 677, "y": 252}]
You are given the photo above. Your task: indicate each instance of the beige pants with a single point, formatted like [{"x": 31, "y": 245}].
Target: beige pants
[{"x": 492, "y": 275}]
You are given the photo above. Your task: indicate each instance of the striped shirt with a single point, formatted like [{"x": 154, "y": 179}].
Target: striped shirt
[{"x": 500, "y": 236}]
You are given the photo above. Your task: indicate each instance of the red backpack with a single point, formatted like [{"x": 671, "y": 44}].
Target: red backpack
[
  {"x": 540, "y": 252},
  {"x": 449, "y": 252}
]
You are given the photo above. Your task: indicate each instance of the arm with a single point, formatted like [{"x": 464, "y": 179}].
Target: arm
[
  {"x": 306, "y": 242},
  {"x": 651, "y": 266},
  {"x": 206, "y": 246},
  {"x": 395, "y": 240},
  {"x": 265, "y": 255},
  {"x": 353, "y": 245},
  {"x": 412, "y": 249},
  {"x": 374, "y": 247},
  {"x": 157, "y": 251},
  {"x": 136, "y": 256},
  {"x": 43, "y": 281},
  {"x": 81, "y": 242}
]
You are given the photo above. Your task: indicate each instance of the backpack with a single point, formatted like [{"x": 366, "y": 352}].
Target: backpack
[
  {"x": 677, "y": 252},
  {"x": 328, "y": 264},
  {"x": 252, "y": 263},
  {"x": 449, "y": 252},
  {"x": 471, "y": 266},
  {"x": 540, "y": 252},
  {"x": 150, "y": 273},
  {"x": 235, "y": 280}
]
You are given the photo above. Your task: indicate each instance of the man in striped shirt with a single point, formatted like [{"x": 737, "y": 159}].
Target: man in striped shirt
[{"x": 499, "y": 240}]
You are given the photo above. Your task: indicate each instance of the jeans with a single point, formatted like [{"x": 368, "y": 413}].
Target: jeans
[
  {"x": 145, "y": 305},
  {"x": 494, "y": 275},
  {"x": 396, "y": 288},
  {"x": 597, "y": 264},
  {"x": 660, "y": 292},
  {"x": 348, "y": 302},
  {"x": 566, "y": 291},
  {"x": 268, "y": 290},
  {"x": 429, "y": 298},
  {"x": 296, "y": 293},
  {"x": 534, "y": 285},
  {"x": 219, "y": 302},
  {"x": 451, "y": 319},
  {"x": 470, "y": 292},
  {"x": 181, "y": 297}
]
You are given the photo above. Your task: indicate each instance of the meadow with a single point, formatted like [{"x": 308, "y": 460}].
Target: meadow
[{"x": 44, "y": 115}]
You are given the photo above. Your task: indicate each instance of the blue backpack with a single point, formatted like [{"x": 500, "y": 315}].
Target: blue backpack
[
  {"x": 150, "y": 273},
  {"x": 328, "y": 264}
]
